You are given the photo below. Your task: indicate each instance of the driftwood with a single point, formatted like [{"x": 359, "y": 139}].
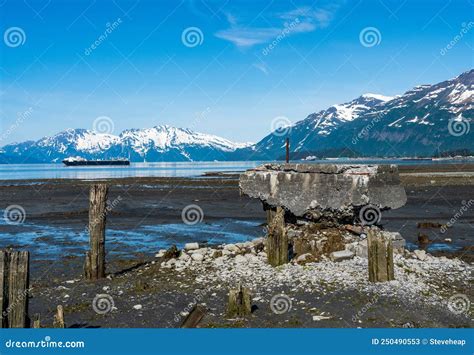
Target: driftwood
[
  {"x": 240, "y": 304},
  {"x": 277, "y": 239},
  {"x": 194, "y": 317},
  {"x": 94, "y": 267},
  {"x": 59, "y": 318},
  {"x": 380, "y": 256},
  {"x": 14, "y": 283}
]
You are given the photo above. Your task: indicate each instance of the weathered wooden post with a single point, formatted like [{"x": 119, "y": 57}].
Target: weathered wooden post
[
  {"x": 277, "y": 239},
  {"x": 37, "y": 321},
  {"x": 59, "y": 318},
  {"x": 94, "y": 267},
  {"x": 194, "y": 317},
  {"x": 240, "y": 303},
  {"x": 380, "y": 256},
  {"x": 287, "y": 145},
  {"x": 14, "y": 283}
]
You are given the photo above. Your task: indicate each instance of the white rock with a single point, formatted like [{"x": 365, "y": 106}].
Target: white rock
[
  {"x": 191, "y": 246},
  {"x": 160, "y": 253},
  {"x": 197, "y": 257},
  {"x": 184, "y": 256},
  {"x": 202, "y": 251},
  {"x": 420, "y": 254},
  {"x": 240, "y": 259},
  {"x": 138, "y": 307},
  {"x": 232, "y": 248},
  {"x": 341, "y": 255},
  {"x": 448, "y": 240}
]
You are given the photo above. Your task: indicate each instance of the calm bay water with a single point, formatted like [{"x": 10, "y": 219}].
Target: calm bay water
[{"x": 177, "y": 169}]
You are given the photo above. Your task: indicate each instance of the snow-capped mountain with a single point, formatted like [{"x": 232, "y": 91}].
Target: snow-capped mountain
[
  {"x": 160, "y": 143},
  {"x": 423, "y": 121}
]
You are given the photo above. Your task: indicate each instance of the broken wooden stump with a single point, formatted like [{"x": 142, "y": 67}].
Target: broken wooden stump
[
  {"x": 380, "y": 255},
  {"x": 240, "y": 304},
  {"x": 36, "y": 321},
  {"x": 14, "y": 283},
  {"x": 59, "y": 318},
  {"x": 94, "y": 267},
  {"x": 194, "y": 317},
  {"x": 277, "y": 239}
]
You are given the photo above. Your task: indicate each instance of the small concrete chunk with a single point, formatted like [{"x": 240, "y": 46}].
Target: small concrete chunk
[{"x": 341, "y": 255}]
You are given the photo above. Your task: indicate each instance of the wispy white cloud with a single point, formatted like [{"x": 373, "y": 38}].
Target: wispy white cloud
[
  {"x": 247, "y": 37},
  {"x": 305, "y": 19},
  {"x": 262, "y": 67}
]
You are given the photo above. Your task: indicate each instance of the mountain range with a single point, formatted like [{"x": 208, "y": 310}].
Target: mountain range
[{"x": 424, "y": 121}]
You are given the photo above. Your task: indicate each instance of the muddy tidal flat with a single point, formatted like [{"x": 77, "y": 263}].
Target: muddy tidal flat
[{"x": 146, "y": 290}]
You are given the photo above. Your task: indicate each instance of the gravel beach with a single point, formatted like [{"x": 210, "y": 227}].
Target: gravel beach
[{"x": 148, "y": 292}]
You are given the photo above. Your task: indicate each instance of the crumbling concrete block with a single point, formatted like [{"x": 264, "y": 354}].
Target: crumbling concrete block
[{"x": 325, "y": 191}]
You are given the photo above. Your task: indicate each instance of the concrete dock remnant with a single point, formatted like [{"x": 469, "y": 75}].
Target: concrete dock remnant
[{"x": 319, "y": 192}]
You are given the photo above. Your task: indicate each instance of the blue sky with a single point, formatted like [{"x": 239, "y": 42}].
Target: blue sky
[{"x": 146, "y": 71}]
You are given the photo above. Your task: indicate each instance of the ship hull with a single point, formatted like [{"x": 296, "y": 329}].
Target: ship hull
[{"x": 96, "y": 162}]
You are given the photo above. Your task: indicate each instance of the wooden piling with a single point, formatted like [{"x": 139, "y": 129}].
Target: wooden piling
[
  {"x": 37, "y": 321},
  {"x": 59, "y": 318},
  {"x": 94, "y": 267},
  {"x": 239, "y": 304},
  {"x": 277, "y": 239},
  {"x": 380, "y": 255},
  {"x": 14, "y": 283},
  {"x": 194, "y": 317},
  {"x": 287, "y": 146}
]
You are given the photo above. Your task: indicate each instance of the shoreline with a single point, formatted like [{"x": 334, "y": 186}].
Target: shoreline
[{"x": 137, "y": 278}]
